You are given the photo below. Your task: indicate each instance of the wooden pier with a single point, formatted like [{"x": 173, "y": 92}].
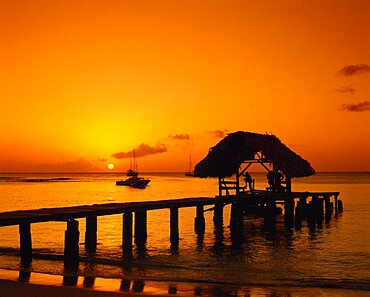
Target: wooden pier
[{"x": 297, "y": 206}]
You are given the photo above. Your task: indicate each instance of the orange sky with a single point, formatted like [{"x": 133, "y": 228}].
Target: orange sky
[{"x": 83, "y": 80}]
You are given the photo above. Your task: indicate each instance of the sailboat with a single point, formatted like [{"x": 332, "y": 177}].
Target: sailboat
[
  {"x": 190, "y": 172},
  {"x": 132, "y": 171}
]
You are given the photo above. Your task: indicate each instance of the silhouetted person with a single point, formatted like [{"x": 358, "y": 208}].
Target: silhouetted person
[
  {"x": 275, "y": 179},
  {"x": 278, "y": 182},
  {"x": 271, "y": 180},
  {"x": 248, "y": 180}
]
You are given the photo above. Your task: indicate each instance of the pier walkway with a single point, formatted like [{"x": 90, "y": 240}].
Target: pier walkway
[{"x": 296, "y": 205}]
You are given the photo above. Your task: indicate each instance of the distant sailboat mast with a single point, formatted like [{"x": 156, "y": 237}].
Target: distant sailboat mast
[
  {"x": 133, "y": 167},
  {"x": 190, "y": 172}
]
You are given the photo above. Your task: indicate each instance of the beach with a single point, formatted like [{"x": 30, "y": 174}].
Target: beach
[{"x": 43, "y": 285}]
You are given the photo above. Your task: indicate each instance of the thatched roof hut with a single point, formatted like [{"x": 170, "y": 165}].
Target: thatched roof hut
[{"x": 224, "y": 159}]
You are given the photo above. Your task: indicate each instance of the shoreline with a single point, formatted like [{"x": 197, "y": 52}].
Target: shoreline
[{"x": 14, "y": 283}]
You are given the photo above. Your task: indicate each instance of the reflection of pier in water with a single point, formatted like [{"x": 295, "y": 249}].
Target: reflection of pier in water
[{"x": 146, "y": 287}]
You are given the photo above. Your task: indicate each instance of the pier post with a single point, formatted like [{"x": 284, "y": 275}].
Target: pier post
[
  {"x": 90, "y": 233},
  {"x": 340, "y": 205},
  {"x": 25, "y": 244},
  {"x": 236, "y": 216},
  {"x": 219, "y": 187},
  {"x": 199, "y": 222},
  {"x": 328, "y": 208},
  {"x": 127, "y": 233},
  {"x": 71, "y": 247},
  {"x": 336, "y": 203},
  {"x": 218, "y": 214},
  {"x": 174, "y": 225},
  {"x": 140, "y": 227},
  {"x": 320, "y": 208},
  {"x": 289, "y": 211}
]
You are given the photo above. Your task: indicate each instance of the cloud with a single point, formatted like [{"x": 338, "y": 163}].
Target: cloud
[
  {"x": 346, "y": 90},
  {"x": 362, "y": 106},
  {"x": 350, "y": 70},
  {"x": 102, "y": 160},
  {"x": 81, "y": 165},
  {"x": 179, "y": 137},
  {"x": 217, "y": 133},
  {"x": 141, "y": 151}
]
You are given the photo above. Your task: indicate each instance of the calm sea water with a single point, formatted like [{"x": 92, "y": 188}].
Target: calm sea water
[{"x": 336, "y": 256}]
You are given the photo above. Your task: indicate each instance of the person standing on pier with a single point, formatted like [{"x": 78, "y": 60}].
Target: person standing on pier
[{"x": 248, "y": 181}]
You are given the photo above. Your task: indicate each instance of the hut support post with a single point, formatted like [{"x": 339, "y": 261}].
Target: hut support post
[
  {"x": 336, "y": 203},
  {"x": 71, "y": 247},
  {"x": 25, "y": 244},
  {"x": 90, "y": 233},
  {"x": 219, "y": 187},
  {"x": 127, "y": 233},
  {"x": 140, "y": 227},
  {"x": 174, "y": 225},
  {"x": 199, "y": 222},
  {"x": 237, "y": 181},
  {"x": 288, "y": 185},
  {"x": 218, "y": 215}
]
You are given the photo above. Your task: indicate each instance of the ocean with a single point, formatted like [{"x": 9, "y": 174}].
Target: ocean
[{"x": 332, "y": 260}]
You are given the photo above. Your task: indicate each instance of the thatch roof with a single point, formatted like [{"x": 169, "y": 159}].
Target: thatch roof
[{"x": 225, "y": 158}]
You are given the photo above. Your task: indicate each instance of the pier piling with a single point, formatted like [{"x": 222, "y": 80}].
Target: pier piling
[
  {"x": 140, "y": 227},
  {"x": 236, "y": 216},
  {"x": 127, "y": 233},
  {"x": 340, "y": 205},
  {"x": 174, "y": 225},
  {"x": 90, "y": 233},
  {"x": 289, "y": 212},
  {"x": 199, "y": 222},
  {"x": 25, "y": 244},
  {"x": 218, "y": 214},
  {"x": 71, "y": 247}
]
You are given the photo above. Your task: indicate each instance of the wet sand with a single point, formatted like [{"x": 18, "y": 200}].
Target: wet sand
[{"x": 15, "y": 284}]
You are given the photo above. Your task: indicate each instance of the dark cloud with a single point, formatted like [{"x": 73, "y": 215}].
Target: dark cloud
[
  {"x": 81, "y": 165},
  {"x": 141, "y": 151},
  {"x": 217, "y": 133},
  {"x": 362, "y": 106},
  {"x": 346, "y": 90},
  {"x": 179, "y": 137},
  {"x": 350, "y": 70},
  {"x": 102, "y": 160}
]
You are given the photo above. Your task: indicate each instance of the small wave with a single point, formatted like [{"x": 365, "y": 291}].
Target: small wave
[
  {"x": 42, "y": 180},
  {"x": 33, "y": 180}
]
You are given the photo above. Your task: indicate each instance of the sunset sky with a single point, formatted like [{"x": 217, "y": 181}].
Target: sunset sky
[{"x": 83, "y": 83}]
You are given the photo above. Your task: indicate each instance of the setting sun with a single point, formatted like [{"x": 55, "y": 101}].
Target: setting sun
[{"x": 110, "y": 166}]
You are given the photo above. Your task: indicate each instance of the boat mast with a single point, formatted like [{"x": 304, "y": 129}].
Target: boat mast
[{"x": 135, "y": 164}]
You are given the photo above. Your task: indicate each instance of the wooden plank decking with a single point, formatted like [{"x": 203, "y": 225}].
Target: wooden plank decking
[{"x": 74, "y": 212}]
